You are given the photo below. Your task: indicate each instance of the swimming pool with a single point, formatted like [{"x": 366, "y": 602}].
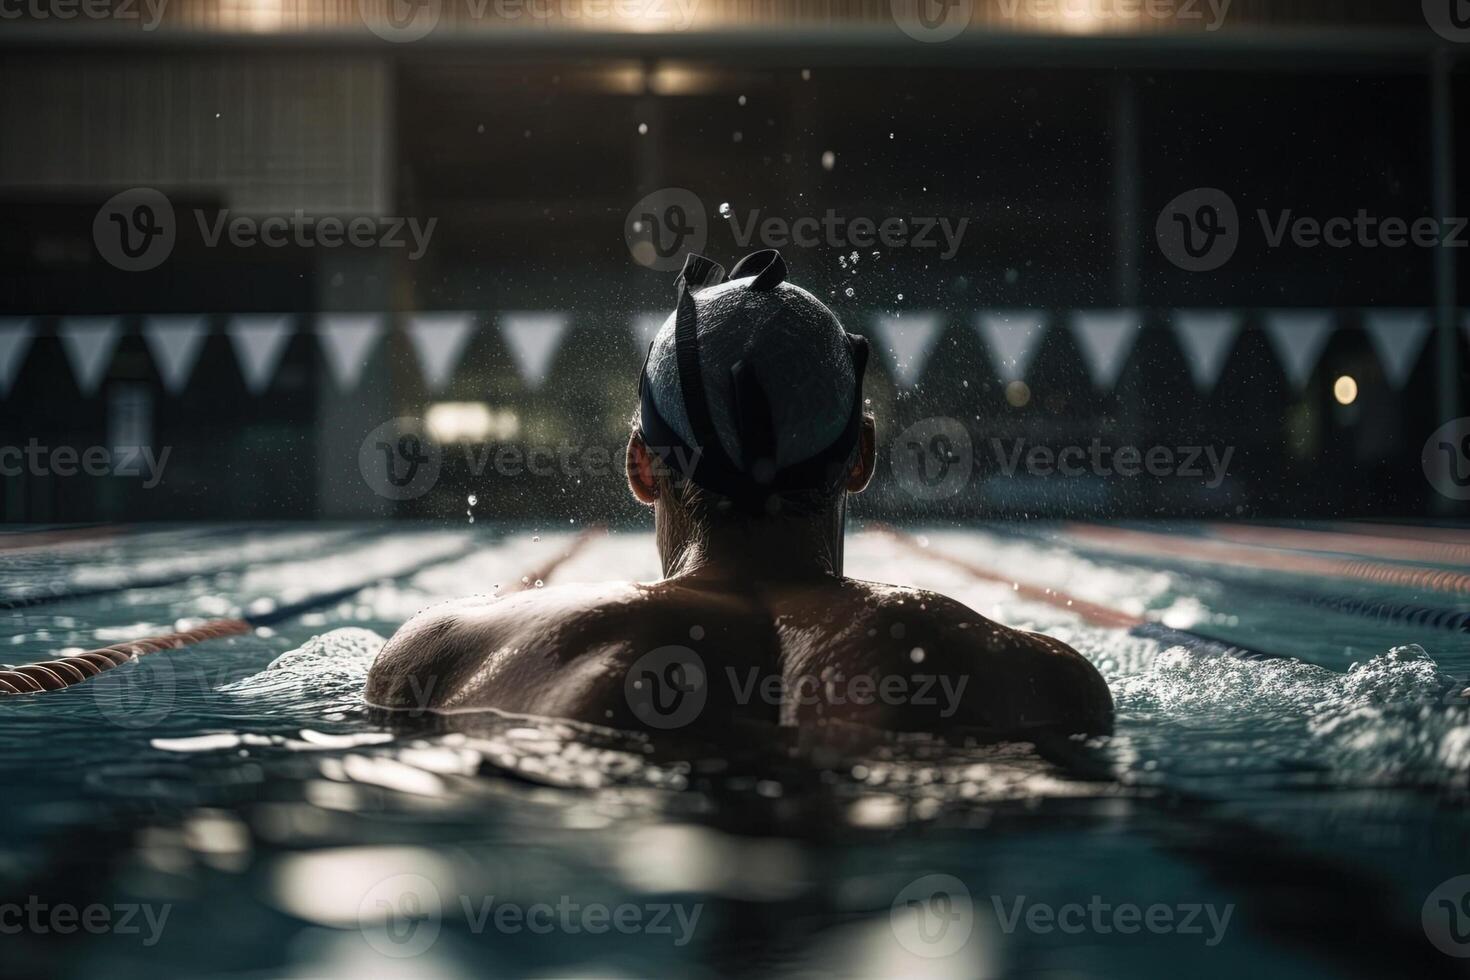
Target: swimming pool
[{"x": 1294, "y": 805}]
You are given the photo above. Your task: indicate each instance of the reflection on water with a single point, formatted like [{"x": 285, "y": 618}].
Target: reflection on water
[{"x": 293, "y": 832}]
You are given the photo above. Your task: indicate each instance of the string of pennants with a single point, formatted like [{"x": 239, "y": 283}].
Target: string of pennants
[{"x": 1105, "y": 339}]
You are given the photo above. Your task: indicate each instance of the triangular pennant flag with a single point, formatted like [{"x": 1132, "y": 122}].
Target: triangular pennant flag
[
  {"x": 533, "y": 339},
  {"x": 15, "y": 339},
  {"x": 1206, "y": 337},
  {"x": 439, "y": 340},
  {"x": 909, "y": 340},
  {"x": 259, "y": 341},
  {"x": 1012, "y": 338},
  {"x": 645, "y": 328},
  {"x": 175, "y": 343},
  {"x": 89, "y": 342},
  {"x": 1106, "y": 337},
  {"x": 347, "y": 339},
  {"x": 1298, "y": 337},
  {"x": 1398, "y": 337}
]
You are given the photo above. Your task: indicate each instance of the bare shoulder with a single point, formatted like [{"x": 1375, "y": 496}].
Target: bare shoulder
[
  {"x": 561, "y": 651},
  {"x": 440, "y": 656},
  {"x": 1014, "y": 680}
]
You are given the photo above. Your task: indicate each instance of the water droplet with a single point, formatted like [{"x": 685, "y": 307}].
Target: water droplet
[
  {"x": 917, "y": 655},
  {"x": 829, "y": 160},
  {"x": 643, "y": 129},
  {"x": 725, "y": 210}
]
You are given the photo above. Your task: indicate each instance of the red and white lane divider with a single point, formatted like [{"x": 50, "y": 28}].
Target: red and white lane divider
[
  {"x": 1367, "y": 545},
  {"x": 1404, "y": 532},
  {"x": 1090, "y": 612},
  {"x": 1152, "y": 544},
  {"x": 52, "y": 675}
]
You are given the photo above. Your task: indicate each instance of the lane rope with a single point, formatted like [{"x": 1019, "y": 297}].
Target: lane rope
[
  {"x": 1383, "y": 610},
  {"x": 1150, "y": 543},
  {"x": 53, "y": 675},
  {"x": 35, "y": 599},
  {"x": 1091, "y": 612},
  {"x": 1332, "y": 542}
]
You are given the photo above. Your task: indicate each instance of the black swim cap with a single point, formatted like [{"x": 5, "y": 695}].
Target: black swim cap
[{"x": 752, "y": 388}]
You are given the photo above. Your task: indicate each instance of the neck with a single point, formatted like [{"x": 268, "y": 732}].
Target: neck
[{"x": 754, "y": 550}]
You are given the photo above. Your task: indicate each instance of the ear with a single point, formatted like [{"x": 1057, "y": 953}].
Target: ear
[
  {"x": 861, "y": 473},
  {"x": 641, "y": 470}
]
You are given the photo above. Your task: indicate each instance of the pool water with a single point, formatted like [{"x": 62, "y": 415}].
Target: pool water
[{"x": 234, "y": 810}]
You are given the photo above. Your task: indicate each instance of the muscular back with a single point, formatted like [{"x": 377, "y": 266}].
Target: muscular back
[{"x": 798, "y": 654}]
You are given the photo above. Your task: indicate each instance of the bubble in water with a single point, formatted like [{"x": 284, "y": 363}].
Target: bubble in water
[
  {"x": 849, "y": 292},
  {"x": 853, "y": 257},
  {"x": 535, "y": 538},
  {"x": 525, "y": 580},
  {"x": 539, "y": 583},
  {"x": 725, "y": 210},
  {"x": 829, "y": 160},
  {"x": 643, "y": 129},
  {"x": 900, "y": 297},
  {"x": 473, "y": 500}
]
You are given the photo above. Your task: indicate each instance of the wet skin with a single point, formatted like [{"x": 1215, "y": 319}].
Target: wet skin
[
  {"x": 775, "y": 634},
  {"x": 810, "y": 654}
]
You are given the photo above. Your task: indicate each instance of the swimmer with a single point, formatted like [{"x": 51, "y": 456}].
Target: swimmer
[{"x": 749, "y": 439}]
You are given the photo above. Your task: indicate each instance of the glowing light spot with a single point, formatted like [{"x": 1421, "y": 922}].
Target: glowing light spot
[{"x": 1345, "y": 389}]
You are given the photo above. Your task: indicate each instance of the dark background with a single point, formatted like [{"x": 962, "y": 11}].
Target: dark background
[{"x": 1060, "y": 148}]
